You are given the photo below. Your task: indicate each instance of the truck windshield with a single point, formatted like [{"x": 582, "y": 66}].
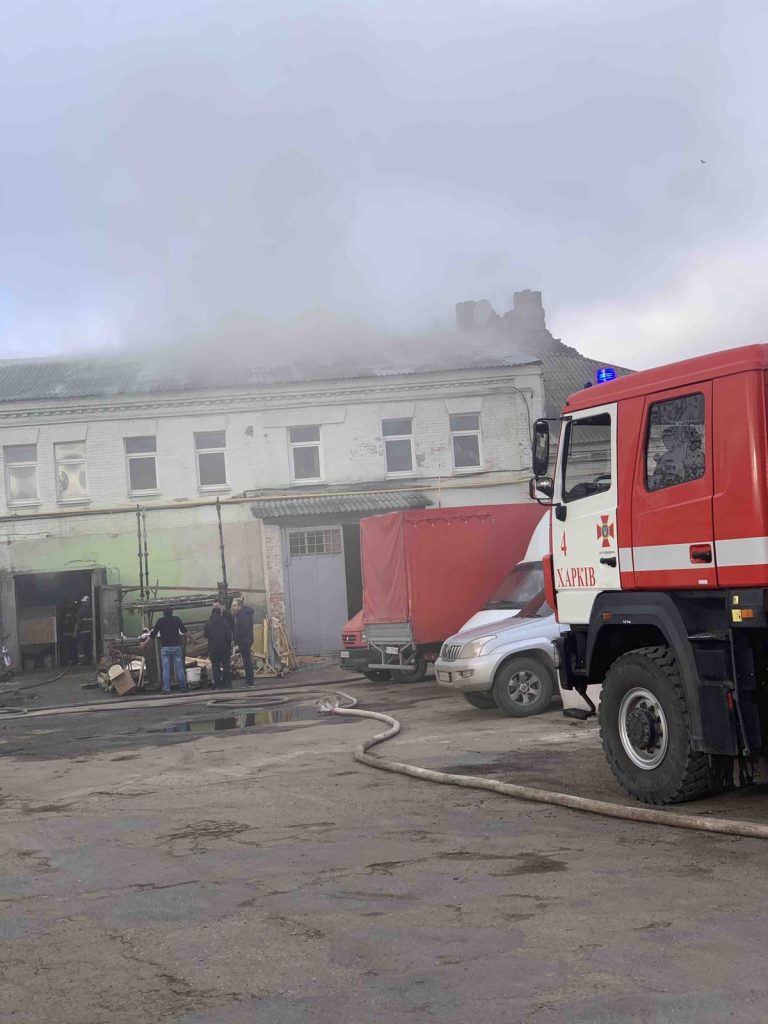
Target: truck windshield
[{"x": 521, "y": 586}]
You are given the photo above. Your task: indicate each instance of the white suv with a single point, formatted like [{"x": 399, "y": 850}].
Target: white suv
[{"x": 508, "y": 664}]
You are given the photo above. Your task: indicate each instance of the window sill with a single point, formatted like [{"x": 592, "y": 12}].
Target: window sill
[
  {"x": 73, "y": 501},
  {"x": 25, "y": 504},
  {"x": 307, "y": 480},
  {"x": 213, "y": 488},
  {"x": 144, "y": 494},
  {"x": 468, "y": 469},
  {"x": 404, "y": 475}
]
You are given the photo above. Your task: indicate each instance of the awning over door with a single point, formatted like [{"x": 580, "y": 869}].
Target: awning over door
[{"x": 364, "y": 502}]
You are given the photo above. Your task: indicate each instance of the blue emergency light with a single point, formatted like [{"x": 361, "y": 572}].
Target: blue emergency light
[{"x": 604, "y": 374}]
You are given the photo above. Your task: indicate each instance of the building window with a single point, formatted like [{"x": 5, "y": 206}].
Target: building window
[
  {"x": 210, "y": 448},
  {"x": 71, "y": 475},
  {"x": 314, "y": 542},
  {"x": 21, "y": 473},
  {"x": 674, "y": 449},
  {"x": 466, "y": 441},
  {"x": 140, "y": 453},
  {"x": 398, "y": 445},
  {"x": 305, "y": 453}
]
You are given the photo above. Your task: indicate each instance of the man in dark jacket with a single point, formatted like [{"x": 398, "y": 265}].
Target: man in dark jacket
[
  {"x": 171, "y": 629},
  {"x": 219, "y": 637},
  {"x": 244, "y": 636},
  {"x": 226, "y": 614}
]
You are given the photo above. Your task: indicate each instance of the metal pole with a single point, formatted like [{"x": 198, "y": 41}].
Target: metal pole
[
  {"x": 146, "y": 548},
  {"x": 221, "y": 548},
  {"x": 141, "y": 567}
]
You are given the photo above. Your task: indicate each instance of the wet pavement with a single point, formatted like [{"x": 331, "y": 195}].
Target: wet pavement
[{"x": 257, "y": 873}]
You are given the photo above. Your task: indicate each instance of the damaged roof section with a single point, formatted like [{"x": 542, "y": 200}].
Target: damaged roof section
[
  {"x": 194, "y": 370},
  {"x": 252, "y": 353}
]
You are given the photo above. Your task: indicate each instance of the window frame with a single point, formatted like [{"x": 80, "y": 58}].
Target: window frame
[
  {"x": 398, "y": 437},
  {"x": 333, "y": 532},
  {"x": 293, "y": 445},
  {"x": 211, "y": 451},
  {"x": 566, "y": 439},
  {"x": 664, "y": 401},
  {"x": 71, "y": 462},
  {"x": 467, "y": 433},
  {"x": 140, "y": 455},
  {"x": 7, "y": 466}
]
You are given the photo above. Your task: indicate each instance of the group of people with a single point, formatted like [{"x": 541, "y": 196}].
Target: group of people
[{"x": 223, "y": 628}]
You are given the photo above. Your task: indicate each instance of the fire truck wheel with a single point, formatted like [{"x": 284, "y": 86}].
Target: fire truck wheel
[
  {"x": 416, "y": 673},
  {"x": 644, "y": 728},
  {"x": 378, "y": 676},
  {"x": 523, "y": 687},
  {"x": 479, "y": 700}
]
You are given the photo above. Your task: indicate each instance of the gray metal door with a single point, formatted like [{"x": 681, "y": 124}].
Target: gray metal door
[{"x": 317, "y": 589}]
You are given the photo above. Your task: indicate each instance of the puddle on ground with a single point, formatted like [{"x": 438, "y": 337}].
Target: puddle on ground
[{"x": 248, "y": 720}]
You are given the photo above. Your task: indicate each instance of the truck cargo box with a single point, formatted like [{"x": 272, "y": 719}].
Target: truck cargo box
[{"x": 426, "y": 571}]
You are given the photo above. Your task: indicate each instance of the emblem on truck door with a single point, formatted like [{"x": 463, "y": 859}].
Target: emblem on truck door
[{"x": 605, "y": 531}]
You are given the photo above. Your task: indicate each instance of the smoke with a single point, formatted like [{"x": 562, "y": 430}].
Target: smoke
[{"x": 180, "y": 170}]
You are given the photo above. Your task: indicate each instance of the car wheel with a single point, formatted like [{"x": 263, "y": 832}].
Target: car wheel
[
  {"x": 645, "y": 732},
  {"x": 523, "y": 687},
  {"x": 479, "y": 699},
  {"x": 378, "y": 676}
]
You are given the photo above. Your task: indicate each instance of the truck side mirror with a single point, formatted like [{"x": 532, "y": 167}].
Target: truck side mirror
[
  {"x": 540, "y": 447},
  {"x": 541, "y": 488}
]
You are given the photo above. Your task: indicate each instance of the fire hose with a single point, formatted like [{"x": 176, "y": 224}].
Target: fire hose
[
  {"x": 604, "y": 808},
  {"x": 333, "y": 705}
]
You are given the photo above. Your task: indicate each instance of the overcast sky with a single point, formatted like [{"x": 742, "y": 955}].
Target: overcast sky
[{"x": 165, "y": 164}]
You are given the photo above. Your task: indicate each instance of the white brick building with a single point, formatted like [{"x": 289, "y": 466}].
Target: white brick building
[{"x": 294, "y": 464}]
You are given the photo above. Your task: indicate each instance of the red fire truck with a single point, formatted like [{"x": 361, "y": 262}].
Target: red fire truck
[{"x": 659, "y": 562}]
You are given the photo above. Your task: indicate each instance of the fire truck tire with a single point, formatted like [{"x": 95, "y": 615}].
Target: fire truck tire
[
  {"x": 478, "y": 699},
  {"x": 644, "y": 729},
  {"x": 378, "y": 675},
  {"x": 523, "y": 687}
]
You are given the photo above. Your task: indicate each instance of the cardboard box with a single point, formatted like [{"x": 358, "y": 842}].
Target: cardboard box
[{"x": 122, "y": 681}]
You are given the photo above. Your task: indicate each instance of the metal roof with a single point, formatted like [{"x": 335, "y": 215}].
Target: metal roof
[
  {"x": 175, "y": 368},
  {"x": 567, "y": 373},
  {"x": 368, "y": 502}
]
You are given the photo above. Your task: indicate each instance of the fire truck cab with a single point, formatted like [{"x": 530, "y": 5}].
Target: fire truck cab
[{"x": 659, "y": 562}]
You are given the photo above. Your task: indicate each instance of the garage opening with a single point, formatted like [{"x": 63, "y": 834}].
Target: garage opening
[{"x": 46, "y": 606}]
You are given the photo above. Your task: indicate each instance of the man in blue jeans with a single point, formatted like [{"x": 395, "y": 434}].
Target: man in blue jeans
[{"x": 170, "y": 629}]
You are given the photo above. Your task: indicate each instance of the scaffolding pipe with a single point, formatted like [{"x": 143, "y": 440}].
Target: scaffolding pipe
[
  {"x": 141, "y": 568},
  {"x": 146, "y": 549},
  {"x": 221, "y": 548}
]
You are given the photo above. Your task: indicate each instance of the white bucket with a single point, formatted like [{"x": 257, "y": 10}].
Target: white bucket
[{"x": 193, "y": 674}]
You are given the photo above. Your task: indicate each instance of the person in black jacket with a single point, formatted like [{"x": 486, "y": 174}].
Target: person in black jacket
[
  {"x": 171, "y": 630},
  {"x": 244, "y": 636},
  {"x": 219, "y": 637}
]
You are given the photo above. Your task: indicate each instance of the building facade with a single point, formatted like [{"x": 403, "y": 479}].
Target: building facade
[{"x": 287, "y": 467}]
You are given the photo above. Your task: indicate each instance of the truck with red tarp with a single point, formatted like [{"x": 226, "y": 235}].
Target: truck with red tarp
[{"x": 426, "y": 571}]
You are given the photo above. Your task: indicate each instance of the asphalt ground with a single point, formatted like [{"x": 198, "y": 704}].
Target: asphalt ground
[{"x": 259, "y": 874}]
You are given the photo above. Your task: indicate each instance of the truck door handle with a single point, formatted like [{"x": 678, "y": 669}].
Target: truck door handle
[
  {"x": 560, "y": 512},
  {"x": 700, "y": 552},
  {"x": 608, "y": 560}
]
